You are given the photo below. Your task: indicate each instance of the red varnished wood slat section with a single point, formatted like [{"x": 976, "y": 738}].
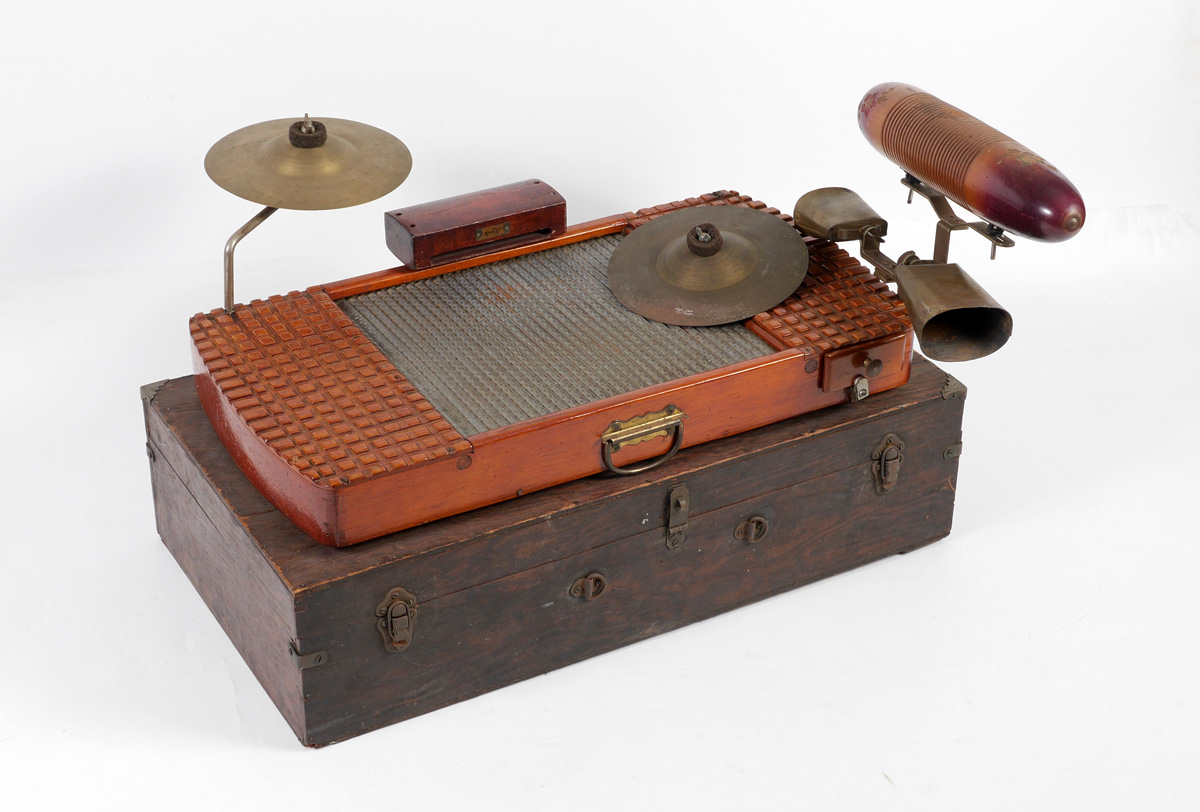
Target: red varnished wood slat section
[
  {"x": 840, "y": 303},
  {"x": 331, "y": 432},
  {"x": 565, "y": 446},
  {"x": 314, "y": 389}
]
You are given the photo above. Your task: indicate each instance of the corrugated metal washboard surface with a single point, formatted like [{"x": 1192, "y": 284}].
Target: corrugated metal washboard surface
[{"x": 526, "y": 337}]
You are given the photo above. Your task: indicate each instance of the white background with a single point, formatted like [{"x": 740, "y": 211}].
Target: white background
[{"x": 1044, "y": 656}]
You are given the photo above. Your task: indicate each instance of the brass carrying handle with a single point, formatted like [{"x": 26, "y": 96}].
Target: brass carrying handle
[{"x": 639, "y": 429}]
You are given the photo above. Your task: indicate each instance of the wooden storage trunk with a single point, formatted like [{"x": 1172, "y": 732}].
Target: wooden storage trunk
[{"x": 348, "y": 640}]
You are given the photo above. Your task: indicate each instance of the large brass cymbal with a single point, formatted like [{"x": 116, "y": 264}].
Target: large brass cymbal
[
  {"x": 355, "y": 164},
  {"x": 708, "y": 265}
]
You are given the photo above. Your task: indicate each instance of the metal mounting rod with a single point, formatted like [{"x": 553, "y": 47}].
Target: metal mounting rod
[
  {"x": 948, "y": 221},
  {"x": 252, "y": 224},
  {"x": 885, "y": 266}
]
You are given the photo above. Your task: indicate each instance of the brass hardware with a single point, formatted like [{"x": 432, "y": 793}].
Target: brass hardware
[
  {"x": 886, "y": 466},
  {"x": 492, "y": 232},
  {"x": 397, "y": 617},
  {"x": 860, "y": 389},
  {"x": 308, "y": 165},
  {"x": 952, "y": 451},
  {"x": 304, "y": 661},
  {"x": 751, "y": 530},
  {"x": 148, "y": 391},
  {"x": 948, "y": 221},
  {"x": 589, "y": 587},
  {"x": 251, "y": 224},
  {"x": 678, "y": 502},
  {"x": 742, "y": 262},
  {"x": 836, "y": 214},
  {"x": 953, "y": 388},
  {"x": 954, "y": 318},
  {"x": 355, "y": 164},
  {"x": 637, "y": 430}
]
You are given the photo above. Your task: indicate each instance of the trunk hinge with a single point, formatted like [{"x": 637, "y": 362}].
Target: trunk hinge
[{"x": 304, "y": 661}]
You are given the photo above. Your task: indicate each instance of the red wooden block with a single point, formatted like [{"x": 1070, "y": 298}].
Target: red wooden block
[{"x": 483, "y": 222}]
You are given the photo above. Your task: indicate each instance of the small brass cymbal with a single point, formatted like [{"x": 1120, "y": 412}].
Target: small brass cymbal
[
  {"x": 328, "y": 163},
  {"x": 708, "y": 265}
]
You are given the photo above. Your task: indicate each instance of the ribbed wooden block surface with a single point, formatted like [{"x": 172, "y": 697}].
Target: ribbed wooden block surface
[{"x": 317, "y": 391}]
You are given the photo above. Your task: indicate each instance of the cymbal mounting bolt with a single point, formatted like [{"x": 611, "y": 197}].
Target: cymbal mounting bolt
[
  {"x": 704, "y": 240},
  {"x": 307, "y": 134}
]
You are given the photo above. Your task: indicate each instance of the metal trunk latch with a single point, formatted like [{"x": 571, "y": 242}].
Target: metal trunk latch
[
  {"x": 397, "y": 617},
  {"x": 887, "y": 458},
  {"x": 678, "y": 502}
]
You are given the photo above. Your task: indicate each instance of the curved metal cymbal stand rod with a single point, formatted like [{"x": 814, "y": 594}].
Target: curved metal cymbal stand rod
[{"x": 252, "y": 224}]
